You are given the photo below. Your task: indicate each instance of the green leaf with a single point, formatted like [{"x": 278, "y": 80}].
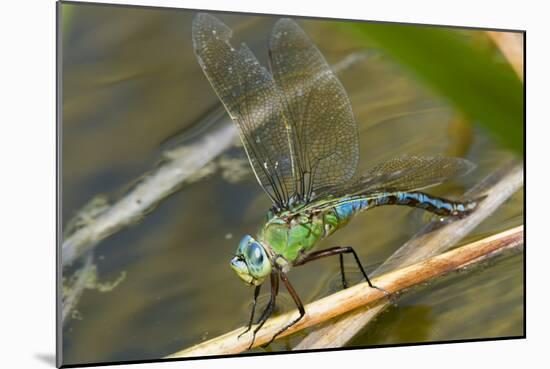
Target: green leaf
[{"x": 483, "y": 88}]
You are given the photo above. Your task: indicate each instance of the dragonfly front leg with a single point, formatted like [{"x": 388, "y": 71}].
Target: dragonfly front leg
[
  {"x": 298, "y": 303},
  {"x": 256, "y": 293},
  {"x": 274, "y": 279},
  {"x": 338, "y": 250}
]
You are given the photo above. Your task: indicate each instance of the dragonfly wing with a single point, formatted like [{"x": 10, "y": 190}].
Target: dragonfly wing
[
  {"x": 410, "y": 173},
  {"x": 324, "y": 133},
  {"x": 401, "y": 174},
  {"x": 253, "y": 101}
]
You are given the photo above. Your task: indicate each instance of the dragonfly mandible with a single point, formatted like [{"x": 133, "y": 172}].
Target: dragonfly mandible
[{"x": 299, "y": 133}]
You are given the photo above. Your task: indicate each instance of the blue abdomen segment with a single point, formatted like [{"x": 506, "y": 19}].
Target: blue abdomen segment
[
  {"x": 350, "y": 206},
  {"x": 440, "y": 206}
]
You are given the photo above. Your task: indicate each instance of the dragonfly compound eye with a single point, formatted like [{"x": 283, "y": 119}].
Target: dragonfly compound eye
[
  {"x": 257, "y": 260},
  {"x": 254, "y": 253},
  {"x": 251, "y": 262}
]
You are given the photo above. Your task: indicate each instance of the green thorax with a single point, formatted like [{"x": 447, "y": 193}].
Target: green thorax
[{"x": 290, "y": 235}]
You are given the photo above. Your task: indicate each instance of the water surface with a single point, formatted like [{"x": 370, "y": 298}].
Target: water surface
[{"x": 131, "y": 82}]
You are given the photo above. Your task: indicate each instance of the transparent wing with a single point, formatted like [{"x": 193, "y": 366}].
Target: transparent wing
[
  {"x": 409, "y": 173},
  {"x": 253, "y": 101},
  {"x": 406, "y": 173},
  {"x": 325, "y": 138}
]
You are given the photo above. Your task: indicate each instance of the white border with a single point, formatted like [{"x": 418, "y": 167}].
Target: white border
[{"x": 28, "y": 181}]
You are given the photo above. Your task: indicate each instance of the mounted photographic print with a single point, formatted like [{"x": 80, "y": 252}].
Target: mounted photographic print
[{"x": 242, "y": 184}]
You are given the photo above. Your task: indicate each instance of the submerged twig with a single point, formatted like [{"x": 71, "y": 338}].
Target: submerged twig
[
  {"x": 72, "y": 295},
  {"x": 361, "y": 294},
  {"x": 154, "y": 187},
  {"x": 434, "y": 238}
]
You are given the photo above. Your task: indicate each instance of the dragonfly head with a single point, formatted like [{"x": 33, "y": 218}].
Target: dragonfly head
[{"x": 251, "y": 262}]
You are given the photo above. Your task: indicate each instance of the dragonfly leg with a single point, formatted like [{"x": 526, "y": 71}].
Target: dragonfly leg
[
  {"x": 274, "y": 292},
  {"x": 256, "y": 293},
  {"x": 274, "y": 278},
  {"x": 338, "y": 250},
  {"x": 298, "y": 303},
  {"x": 342, "y": 272}
]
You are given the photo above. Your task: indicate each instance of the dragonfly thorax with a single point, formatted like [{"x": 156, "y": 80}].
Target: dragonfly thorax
[{"x": 287, "y": 236}]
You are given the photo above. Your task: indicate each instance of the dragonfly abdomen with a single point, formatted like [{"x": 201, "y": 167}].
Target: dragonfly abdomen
[{"x": 433, "y": 204}]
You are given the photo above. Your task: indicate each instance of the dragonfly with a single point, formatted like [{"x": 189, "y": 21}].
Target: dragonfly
[{"x": 297, "y": 127}]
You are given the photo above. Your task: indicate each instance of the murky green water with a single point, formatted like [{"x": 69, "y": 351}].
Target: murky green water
[{"x": 130, "y": 82}]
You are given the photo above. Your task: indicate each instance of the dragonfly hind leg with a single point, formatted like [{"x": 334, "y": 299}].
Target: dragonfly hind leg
[{"x": 338, "y": 250}]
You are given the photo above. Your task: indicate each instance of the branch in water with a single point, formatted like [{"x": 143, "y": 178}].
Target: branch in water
[{"x": 149, "y": 191}]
